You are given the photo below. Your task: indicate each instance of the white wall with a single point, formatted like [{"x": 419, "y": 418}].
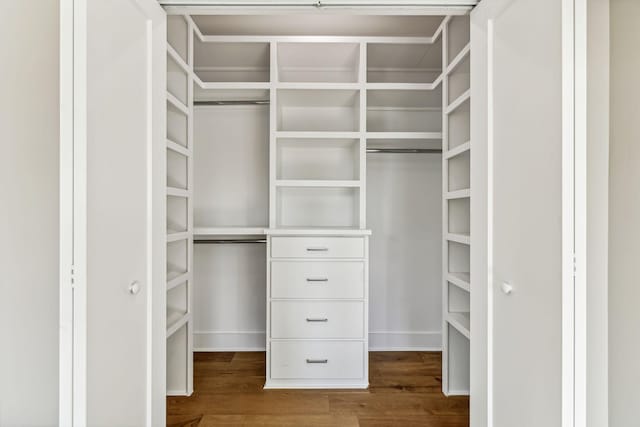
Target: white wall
[
  {"x": 29, "y": 213},
  {"x": 404, "y": 213},
  {"x": 624, "y": 216}
]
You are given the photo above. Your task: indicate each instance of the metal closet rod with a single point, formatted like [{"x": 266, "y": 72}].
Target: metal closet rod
[
  {"x": 405, "y": 150},
  {"x": 228, "y": 241},
  {"x": 235, "y": 102}
]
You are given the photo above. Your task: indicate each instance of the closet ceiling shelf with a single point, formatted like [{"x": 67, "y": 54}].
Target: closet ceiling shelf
[
  {"x": 460, "y": 321},
  {"x": 462, "y": 148},
  {"x": 175, "y": 325},
  {"x": 461, "y": 280},
  {"x": 463, "y": 238}
]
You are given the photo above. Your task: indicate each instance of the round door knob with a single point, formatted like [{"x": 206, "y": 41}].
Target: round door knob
[
  {"x": 134, "y": 287},
  {"x": 506, "y": 288}
]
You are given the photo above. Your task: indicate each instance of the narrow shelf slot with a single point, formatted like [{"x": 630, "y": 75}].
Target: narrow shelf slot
[
  {"x": 231, "y": 61},
  {"x": 461, "y": 280},
  {"x": 318, "y": 62},
  {"x": 463, "y": 238},
  {"x": 177, "y": 103},
  {"x": 177, "y": 192},
  {"x": 199, "y": 232},
  {"x": 404, "y": 63},
  {"x": 458, "y": 102},
  {"x": 404, "y": 135},
  {"x": 459, "y": 58},
  {"x": 180, "y": 235},
  {"x": 462, "y": 148},
  {"x": 317, "y": 135},
  {"x": 174, "y": 146},
  {"x": 177, "y": 324},
  {"x": 458, "y": 194},
  {"x": 178, "y": 59},
  {"x": 176, "y": 279},
  {"x": 460, "y": 321}
]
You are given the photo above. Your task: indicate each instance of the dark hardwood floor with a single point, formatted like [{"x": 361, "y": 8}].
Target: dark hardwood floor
[{"x": 404, "y": 391}]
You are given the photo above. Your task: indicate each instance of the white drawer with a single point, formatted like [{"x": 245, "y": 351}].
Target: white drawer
[
  {"x": 317, "y": 247},
  {"x": 317, "y": 279},
  {"x": 317, "y": 360},
  {"x": 317, "y": 319}
]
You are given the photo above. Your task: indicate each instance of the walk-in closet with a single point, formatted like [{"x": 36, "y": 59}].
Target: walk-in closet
[{"x": 318, "y": 193}]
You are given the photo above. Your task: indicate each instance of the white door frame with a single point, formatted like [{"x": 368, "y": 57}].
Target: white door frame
[{"x": 72, "y": 400}]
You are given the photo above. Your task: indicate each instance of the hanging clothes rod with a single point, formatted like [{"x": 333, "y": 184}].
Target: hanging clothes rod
[
  {"x": 234, "y": 102},
  {"x": 229, "y": 241},
  {"x": 405, "y": 150}
]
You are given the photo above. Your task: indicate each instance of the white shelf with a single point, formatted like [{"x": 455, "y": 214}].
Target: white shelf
[
  {"x": 232, "y": 85},
  {"x": 317, "y": 231},
  {"x": 460, "y": 321},
  {"x": 174, "y": 237},
  {"x": 404, "y": 135},
  {"x": 317, "y": 183},
  {"x": 458, "y": 194},
  {"x": 180, "y": 149},
  {"x": 463, "y": 238},
  {"x": 458, "y": 102},
  {"x": 176, "y": 279},
  {"x": 318, "y": 135},
  {"x": 456, "y": 151},
  {"x": 320, "y": 86},
  {"x": 228, "y": 231},
  {"x": 177, "y": 103},
  {"x": 177, "y": 192},
  {"x": 461, "y": 280},
  {"x": 175, "y": 321},
  {"x": 459, "y": 58},
  {"x": 178, "y": 59},
  {"x": 403, "y": 86}
]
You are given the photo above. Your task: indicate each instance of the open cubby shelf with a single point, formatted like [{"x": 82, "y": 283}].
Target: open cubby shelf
[{"x": 318, "y": 62}]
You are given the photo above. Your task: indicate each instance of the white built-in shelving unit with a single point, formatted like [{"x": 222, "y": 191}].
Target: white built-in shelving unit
[
  {"x": 179, "y": 205},
  {"x": 291, "y": 146},
  {"x": 456, "y": 146}
]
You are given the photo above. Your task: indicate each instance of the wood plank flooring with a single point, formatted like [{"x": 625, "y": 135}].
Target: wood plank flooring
[{"x": 404, "y": 391}]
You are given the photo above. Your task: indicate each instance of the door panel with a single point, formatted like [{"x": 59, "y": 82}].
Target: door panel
[
  {"x": 124, "y": 40},
  {"x": 517, "y": 119}
]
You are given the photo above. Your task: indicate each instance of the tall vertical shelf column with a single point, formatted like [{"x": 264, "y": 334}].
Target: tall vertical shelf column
[
  {"x": 179, "y": 205},
  {"x": 456, "y": 146}
]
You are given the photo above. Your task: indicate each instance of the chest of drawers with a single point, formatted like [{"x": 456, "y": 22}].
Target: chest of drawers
[{"x": 317, "y": 312}]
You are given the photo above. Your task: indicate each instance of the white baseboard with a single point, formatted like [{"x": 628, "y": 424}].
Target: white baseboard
[
  {"x": 378, "y": 341},
  {"x": 229, "y": 341},
  {"x": 405, "y": 341}
]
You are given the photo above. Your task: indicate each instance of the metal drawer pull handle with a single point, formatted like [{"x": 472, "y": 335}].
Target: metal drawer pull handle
[
  {"x": 317, "y": 360},
  {"x": 317, "y": 249},
  {"x": 317, "y": 279},
  {"x": 311, "y": 319}
]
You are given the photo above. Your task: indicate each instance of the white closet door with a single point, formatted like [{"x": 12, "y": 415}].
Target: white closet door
[
  {"x": 124, "y": 127},
  {"x": 517, "y": 139}
]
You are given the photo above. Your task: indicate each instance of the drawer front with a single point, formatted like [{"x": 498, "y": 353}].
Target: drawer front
[
  {"x": 317, "y": 279},
  {"x": 317, "y": 319},
  {"x": 317, "y": 247},
  {"x": 317, "y": 360}
]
